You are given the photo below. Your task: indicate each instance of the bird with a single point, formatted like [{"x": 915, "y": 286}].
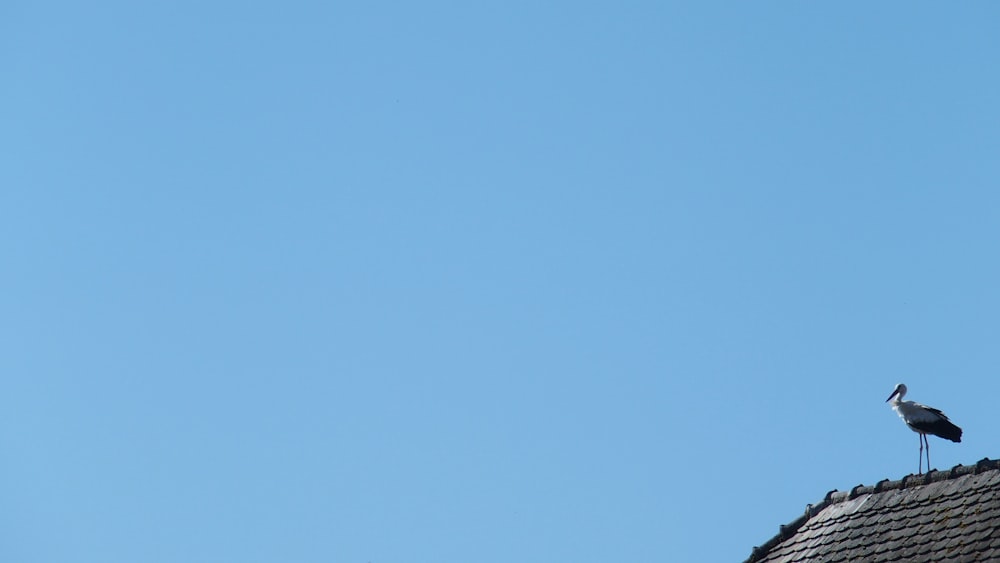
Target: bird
[{"x": 923, "y": 420}]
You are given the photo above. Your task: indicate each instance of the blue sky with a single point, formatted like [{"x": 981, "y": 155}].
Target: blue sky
[{"x": 446, "y": 282}]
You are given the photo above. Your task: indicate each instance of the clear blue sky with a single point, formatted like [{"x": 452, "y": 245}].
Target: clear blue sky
[{"x": 447, "y": 282}]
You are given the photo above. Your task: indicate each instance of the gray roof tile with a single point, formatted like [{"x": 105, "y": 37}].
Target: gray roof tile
[{"x": 941, "y": 516}]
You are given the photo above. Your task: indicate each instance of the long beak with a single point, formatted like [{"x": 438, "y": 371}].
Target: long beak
[{"x": 894, "y": 393}]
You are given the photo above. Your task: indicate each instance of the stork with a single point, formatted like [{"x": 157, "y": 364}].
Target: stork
[{"x": 923, "y": 420}]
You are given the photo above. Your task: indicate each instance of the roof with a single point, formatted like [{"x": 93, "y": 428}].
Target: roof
[{"x": 939, "y": 516}]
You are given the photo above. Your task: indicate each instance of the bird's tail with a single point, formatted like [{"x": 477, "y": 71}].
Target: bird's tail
[{"x": 950, "y": 432}]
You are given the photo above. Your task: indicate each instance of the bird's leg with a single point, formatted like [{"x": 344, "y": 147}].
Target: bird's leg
[
  {"x": 920, "y": 463},
  {"x": 926, "y": 441}
]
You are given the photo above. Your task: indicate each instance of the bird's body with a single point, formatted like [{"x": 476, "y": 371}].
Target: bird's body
[{"x": 923, "y": 420}]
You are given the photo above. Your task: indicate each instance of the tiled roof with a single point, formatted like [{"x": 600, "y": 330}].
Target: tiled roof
[{"x": 939, "y": 516}]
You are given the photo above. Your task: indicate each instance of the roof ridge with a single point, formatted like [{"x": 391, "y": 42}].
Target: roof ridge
[{"x": 833, "y": 497}]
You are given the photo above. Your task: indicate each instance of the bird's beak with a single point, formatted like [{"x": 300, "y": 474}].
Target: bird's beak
[{"x": 893, "y": 395}]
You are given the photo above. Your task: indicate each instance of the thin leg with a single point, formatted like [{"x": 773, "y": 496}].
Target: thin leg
[
  {"x": 926, "y": 441},
  {"x": 920, "y": 464}
]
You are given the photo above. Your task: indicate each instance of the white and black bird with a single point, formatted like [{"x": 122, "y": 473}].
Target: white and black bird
[{"x": 923, "y": 420}]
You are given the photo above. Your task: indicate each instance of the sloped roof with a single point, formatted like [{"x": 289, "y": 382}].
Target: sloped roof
[{"x": 939, "y": 516}]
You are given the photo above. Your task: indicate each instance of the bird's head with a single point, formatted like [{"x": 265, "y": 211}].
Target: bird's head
[{"x": 900, "y": 390}]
